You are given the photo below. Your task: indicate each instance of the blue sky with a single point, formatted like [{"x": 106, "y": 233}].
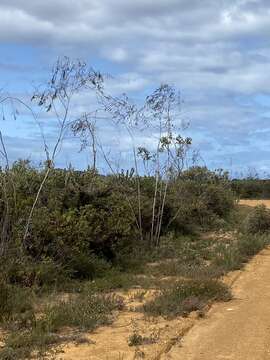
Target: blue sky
[{"x": 217, "y": 52}]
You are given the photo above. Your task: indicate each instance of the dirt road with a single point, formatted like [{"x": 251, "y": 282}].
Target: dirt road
[
  {"x": 250, "y": 202},
  {"x": 237, "y": 330}
]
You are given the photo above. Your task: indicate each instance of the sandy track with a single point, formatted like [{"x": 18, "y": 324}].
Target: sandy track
[
  {"x": 249, "y": 202},
  {"x": 237, "y": 330}
]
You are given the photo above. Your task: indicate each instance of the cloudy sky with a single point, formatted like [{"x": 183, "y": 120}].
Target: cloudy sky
[{"x": 215, "y": 51}]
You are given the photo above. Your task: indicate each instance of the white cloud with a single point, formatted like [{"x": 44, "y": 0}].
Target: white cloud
[{"x": 216, "y": 51}]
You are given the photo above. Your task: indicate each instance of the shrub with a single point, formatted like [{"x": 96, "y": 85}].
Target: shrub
[
  {"x": 250, "y": 245},
  {"x": 135, "y": 339},
  {"x": 87, "y": 311},
  {"x": 87, "y": 266},
  {"x": 257, "y": 221},
  {"x": 199, "y": 198},
  {"x": 26, "y": 272},
  {"x": 186, "y": 297},
  {"x": 14, "y": 301},
  {"x": 227, "y": 257}
]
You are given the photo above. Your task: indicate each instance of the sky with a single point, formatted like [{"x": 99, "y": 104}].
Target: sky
[{"x": 215, "y": 51}]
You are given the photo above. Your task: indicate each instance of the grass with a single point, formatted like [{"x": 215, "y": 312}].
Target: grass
[
  {"x": 185, "y": 297},
  {"x": 200, "y": 263},
  {"x": 185, "y": 271},
  {"x": 84, "y": 312},
  {"x": 136, "y": 339},
  {"x": 113, "y": 280}
]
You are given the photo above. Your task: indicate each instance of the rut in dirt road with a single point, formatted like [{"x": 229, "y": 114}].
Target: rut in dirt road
[{"x": 237, "y": 330}]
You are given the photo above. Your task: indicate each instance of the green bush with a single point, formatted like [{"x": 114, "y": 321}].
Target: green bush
[
  {"x": 87, "y": 311},
  {"x": 257, "y": 221},
  {"x": 186, "y": 297},
  {"x": 199, "y": 198},
  {"x": 227, "y": 257},
  {"x": 87, "y": 266},
  {"x": 28, "y": 273},
  {"x": 250, "y": 245},
  {"x": 16, "y": 304}
]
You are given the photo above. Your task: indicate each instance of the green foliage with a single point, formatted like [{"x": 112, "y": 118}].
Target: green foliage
[
  {"x": 86, "y": 311},
  {"x": 257, "y": 221},
  {"x": 228, "y": 257},
  {"x": 200, "y": 198},
  {"x": 251, "y": 188},
  {"x": 84, "y": 222},
  {"x": 28, "y": 273},
  {"x": 15, "y": 303},
  {"x": 249, "y": 245},
  {"x": 135, "y": 339},
  {"x": 185, "y": 297}
]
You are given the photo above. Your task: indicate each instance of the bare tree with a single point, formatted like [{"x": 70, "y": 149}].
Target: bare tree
[
  {"x": 85, "y": 127},
  {"x": 68, "y": 78},
  {"x": 162, "y": 111}
]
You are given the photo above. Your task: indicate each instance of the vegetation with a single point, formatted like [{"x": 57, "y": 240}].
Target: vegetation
[
  {"x": 187, "y": 296},
  {"x": 258, "y": 220},
  {"x": 31, "y": 333},
  {"x": 251, "y": 187},
  {"x": 69, "y": 238}
]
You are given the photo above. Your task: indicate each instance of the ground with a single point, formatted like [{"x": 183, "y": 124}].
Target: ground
[
  {"x": 250, "y": 202},
  {"x": 236, "y": 330}
]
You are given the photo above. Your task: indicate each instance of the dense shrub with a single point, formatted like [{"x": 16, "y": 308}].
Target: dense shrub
[
  {"x": 199, "y": 198},
  {"x": 251, "y": 188},
  {"x": 84, "y": 222},
  {"x": 14, "y": 302},
  {"x": 257, "y": 221}
]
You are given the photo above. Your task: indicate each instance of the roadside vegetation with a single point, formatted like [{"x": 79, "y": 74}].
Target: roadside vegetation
[
  {"x": 85, "y": 248},
  {"x": 72, "y": 240}
]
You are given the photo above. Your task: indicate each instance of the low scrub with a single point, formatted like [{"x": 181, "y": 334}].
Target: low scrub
[
  {"x": 229, "y": 257},
  {"x": 186, "y": 297},
  {"x": 257, "y": 221},
  {"x": 250, "y": 245},
  {"x": 85, "y": 312},
  {"x": 15, "y": 304}
]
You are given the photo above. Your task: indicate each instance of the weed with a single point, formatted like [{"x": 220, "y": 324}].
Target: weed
[{"x": 135, "y": 339}]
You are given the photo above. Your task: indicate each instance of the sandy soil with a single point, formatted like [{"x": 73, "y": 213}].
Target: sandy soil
[
  {"x": 238, "y": 330},
  {"x": 111, "y": 342},
  {"x": 249, "y": 202}
]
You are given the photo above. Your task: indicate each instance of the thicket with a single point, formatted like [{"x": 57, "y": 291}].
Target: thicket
[
  {"x": 83, "y": 224},
  {"x": 251, "y": 188},
  {"x": 61, "y": 228},
  {"x": 78, "y": 224}
]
